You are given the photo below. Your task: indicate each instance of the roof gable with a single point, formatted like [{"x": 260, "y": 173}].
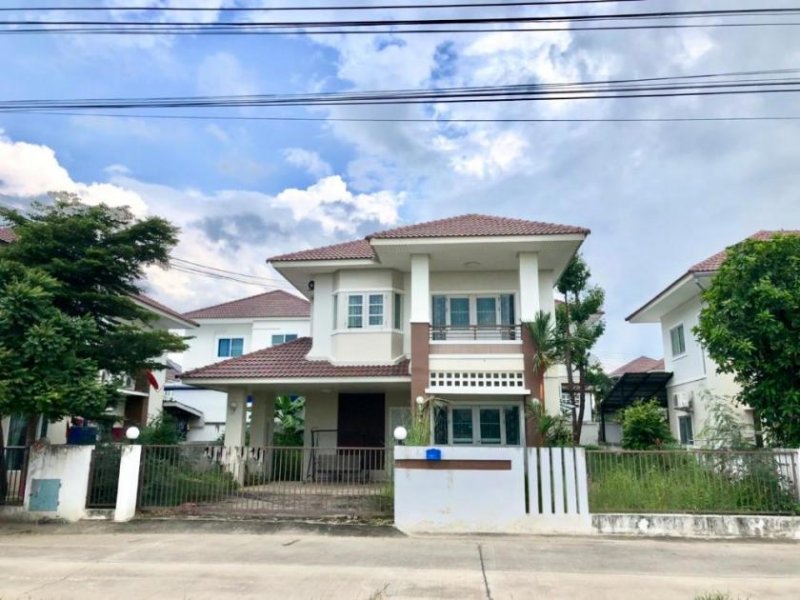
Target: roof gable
[
  {"x": 643, "y": 364},
  {"x": 276, "y": 304}
]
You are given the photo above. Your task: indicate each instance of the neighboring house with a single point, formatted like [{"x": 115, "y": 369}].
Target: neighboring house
[
  {"x": 427, "y": 313},
  {"x": 643, "y": 378},
  {"x": 142, "y": 393},
  {"x": 229, "y": 330},
  {"x": 694, "y": 374}
]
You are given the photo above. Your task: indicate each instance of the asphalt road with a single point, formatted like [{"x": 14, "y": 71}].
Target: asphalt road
[{"x": 93, "y": 562}]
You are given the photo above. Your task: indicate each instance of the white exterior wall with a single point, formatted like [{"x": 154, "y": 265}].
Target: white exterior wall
[
  {"x": 211, "y": 402},
  {"x": 68, "y": 464},
  {"x": 322, "y": 317},
  {"x": 694, "y": 372}
]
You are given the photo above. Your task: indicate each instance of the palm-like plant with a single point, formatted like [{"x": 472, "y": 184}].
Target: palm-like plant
[{"x": 546, "y": 354}]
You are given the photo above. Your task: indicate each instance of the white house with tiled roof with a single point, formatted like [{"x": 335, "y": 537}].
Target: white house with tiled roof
[
  {"x": 229, "y": 330},
  {"x": 694, "y": 374},
  {"x": 429, "y": 313}
]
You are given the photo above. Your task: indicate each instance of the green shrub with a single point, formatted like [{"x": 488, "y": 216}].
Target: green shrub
[
  {"x": 169, "y": 479},
  {"x": 645, "y": 427},
  {"x": 161, "y": 430}
]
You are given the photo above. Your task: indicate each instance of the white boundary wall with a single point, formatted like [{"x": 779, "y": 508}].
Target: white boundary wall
[
  {"x": 70, "y": 466},
  {"x": 460, "y": 499}
]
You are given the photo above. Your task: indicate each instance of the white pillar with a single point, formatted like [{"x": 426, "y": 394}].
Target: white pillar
[
  {"x": 546, "y": 295},
  {"x": 236, "y": 417},
  {"x": 528, "y": 286},
  {"x": 262, "y": 420},
  {"x": 128, "y": 488},
  {"x": 420, "y": 288}
]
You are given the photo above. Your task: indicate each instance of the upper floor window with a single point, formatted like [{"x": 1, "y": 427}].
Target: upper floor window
[
  {"x": 677, "y": 340},
  {"x": 398, "y": 311},
  {"x": 459, "y": 311},
  {"x": 227, "y": 347},
  {"x": 371, "y": 304},
  {"x": 375, "y": 310},
  {"x": 283, "y": 338}
]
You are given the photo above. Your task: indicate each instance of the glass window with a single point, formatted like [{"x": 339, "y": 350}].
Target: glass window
[
  {"x": 335, "y": 312},
  {"x": 376, "y": 310},
  {"x": 487, "y": 311},
  {"x": 459, "y": 312},
  {"x": 678, "y": 341},
  {"x": 511, "y": 414},
  {"x": 462, "y": 426},
  {"x": 398, "y": 311},
  {"x": 439, "y": 320},
  {"x": 283, "y": 338},
  {"x": 490, "y": 426},
  {"x": 229, "y": 347},
  {"x": 355, "y": 312},
  {"x": 685, "y": 428}
]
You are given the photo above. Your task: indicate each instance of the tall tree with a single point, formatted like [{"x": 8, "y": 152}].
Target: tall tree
[
  {"x": 579, "y": 326},
  {"x": 45, "y": 363},
  {"x": 750, "y": 326},
  {"x": 98, "y": 254}
]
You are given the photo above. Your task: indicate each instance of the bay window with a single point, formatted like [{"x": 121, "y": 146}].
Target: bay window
[{"x": 369, "y": 310}]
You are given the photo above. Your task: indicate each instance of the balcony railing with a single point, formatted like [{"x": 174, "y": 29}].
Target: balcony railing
[{"x": 481, "y": 333}]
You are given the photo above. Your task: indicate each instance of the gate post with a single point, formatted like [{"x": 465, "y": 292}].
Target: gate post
[{"x": 128, "y": 488}]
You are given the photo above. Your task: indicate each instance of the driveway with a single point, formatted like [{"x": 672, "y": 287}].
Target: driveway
[{"x": 195, "y": 562}]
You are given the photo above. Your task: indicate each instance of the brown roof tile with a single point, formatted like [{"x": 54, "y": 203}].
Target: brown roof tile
[
  {"x": 713, "y": 263},
  {"x": 643, "y": 364},
  {"x": 276, "y": 303},
  {"x": 7, "y": 235},
  {"x": 471, "y": 225},
  {"x": 474, "y": 225},
  {"x": 288, "y": 361},
  {"x": 147, "y": 300}
]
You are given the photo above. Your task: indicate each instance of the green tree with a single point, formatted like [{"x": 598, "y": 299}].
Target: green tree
[
  {"x": 645, "y": 427},
  {"x": 46, "y": 366},
  {"x": 548, "y": 352},
  {"x": 289, "y": 415},
  {"x": 579, "y": 325},
  {"x": 750, "y": 326},
  {"x": 98, "y": 255}
]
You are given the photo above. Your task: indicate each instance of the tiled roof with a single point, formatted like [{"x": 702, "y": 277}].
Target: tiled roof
[
  {"x": 471, "y": 225},
  {"x": 643, "y": 364},
  {"x": 276, "y": 303},
  {"x": 162, "y": 308},
  {"x": 474, "y": 225},
  {"x": 346, "y": 251},
  {"x": 7, "y": 235},
  {"x": 713, "y": 263},
  {"x": 288, "y": 361}
]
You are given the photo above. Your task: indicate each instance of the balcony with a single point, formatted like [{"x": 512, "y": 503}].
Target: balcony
[{"x": 476, "y": 333}]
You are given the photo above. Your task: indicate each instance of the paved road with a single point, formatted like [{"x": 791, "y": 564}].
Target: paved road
[{"x": 103, "y": 563}]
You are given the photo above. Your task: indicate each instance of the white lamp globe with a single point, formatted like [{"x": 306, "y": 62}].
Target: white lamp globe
[
  {"x": 400, "y": 433},
  {"x": 132, "y": 433},
  {"x": 420, "y": 400}
]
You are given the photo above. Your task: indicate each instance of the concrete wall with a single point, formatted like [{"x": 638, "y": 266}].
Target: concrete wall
[
  {"x": 460, "y": 499},
  {"x": 70, "y": 466},
  {"x": 698, "y": 526}
]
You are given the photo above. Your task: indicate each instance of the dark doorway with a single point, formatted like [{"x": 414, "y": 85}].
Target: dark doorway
[{"x": 361, "y": 422}]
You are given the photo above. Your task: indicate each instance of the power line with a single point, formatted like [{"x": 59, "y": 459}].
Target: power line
[
  {"x": 677, "y": 87},
  {"x": 190, "y": 264},
  {"x": 241, "y": 9},
  {"x": 420, "y": 120}
]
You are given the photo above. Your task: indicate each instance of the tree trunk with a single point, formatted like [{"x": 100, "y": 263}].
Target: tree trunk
[
  {"x": 568, "y": 361},
  {"x": 3, "y": 471},
  {"x": 30, "y": 430},
  {"x": 576, "y": 439}
]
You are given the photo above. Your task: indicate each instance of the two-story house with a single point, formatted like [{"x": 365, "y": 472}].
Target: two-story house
[
  {"x": 694, "y": 374},
  {"x": 427, "y": 312},
  {"x": 229, "y": 330}
]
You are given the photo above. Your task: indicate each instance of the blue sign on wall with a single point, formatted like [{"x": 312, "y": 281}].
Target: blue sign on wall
[
  {"x": 44, "y": 494},
  {"x": 433, "y": 454}
]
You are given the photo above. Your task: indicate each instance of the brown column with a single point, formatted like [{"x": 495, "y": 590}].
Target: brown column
[
  {"x": 420, "y": 371},
  {"x": 534, "y": 382}
]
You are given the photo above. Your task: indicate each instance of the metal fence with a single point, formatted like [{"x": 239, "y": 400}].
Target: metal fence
[
  {"x": 104, "y": 477},
  {"x": 267, "y": 481},
  {"x": 694, "y": 481},
  {"x": 13, "y": 469}
]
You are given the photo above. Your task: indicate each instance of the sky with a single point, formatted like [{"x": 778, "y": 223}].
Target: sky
[{"x": 658, "y": 197}]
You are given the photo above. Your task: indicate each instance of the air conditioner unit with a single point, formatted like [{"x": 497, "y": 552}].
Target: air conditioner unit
[{"x": 682, "y": 401}]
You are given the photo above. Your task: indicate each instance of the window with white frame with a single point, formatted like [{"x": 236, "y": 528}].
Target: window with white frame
[
  {"x": 228, "y": 347},
  {"x": 677, "y": 340},
  {"x": 685, "y": 430},
  {"x": 365, "y": 310},
  {"x": 282, "y": 338},
  {"x": 464, "y": 310},
  {"x": 376, "y": 310},
  {"x": 398, "y": 311},
  {"x": 355, "y": 311},
  {"x": 478, "y": 424}
]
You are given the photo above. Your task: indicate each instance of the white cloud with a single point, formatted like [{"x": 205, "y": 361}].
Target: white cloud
[
  {"x": 33, "y": 170},
  {"x": 308, "y": 160}
]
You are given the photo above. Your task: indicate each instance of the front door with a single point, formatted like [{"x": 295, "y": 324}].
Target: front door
[{"x": 361, "y": 422}]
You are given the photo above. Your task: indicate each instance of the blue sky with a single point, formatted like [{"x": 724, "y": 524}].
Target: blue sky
[{"x": 657, "y": 196}]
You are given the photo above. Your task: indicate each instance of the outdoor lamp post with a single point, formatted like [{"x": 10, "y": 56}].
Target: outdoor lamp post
[
  {"x": 400, "y": 434},
  {"x": 132, "y": 433}
]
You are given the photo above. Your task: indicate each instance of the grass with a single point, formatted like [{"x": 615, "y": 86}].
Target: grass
[
  {"x": 685, "y": 482},
  {"x": 169, "y": 481},
  {"x": 715, "y": 596}
]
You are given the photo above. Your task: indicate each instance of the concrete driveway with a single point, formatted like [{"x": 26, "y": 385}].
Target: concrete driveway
[{"x": 194, "y": 561}]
